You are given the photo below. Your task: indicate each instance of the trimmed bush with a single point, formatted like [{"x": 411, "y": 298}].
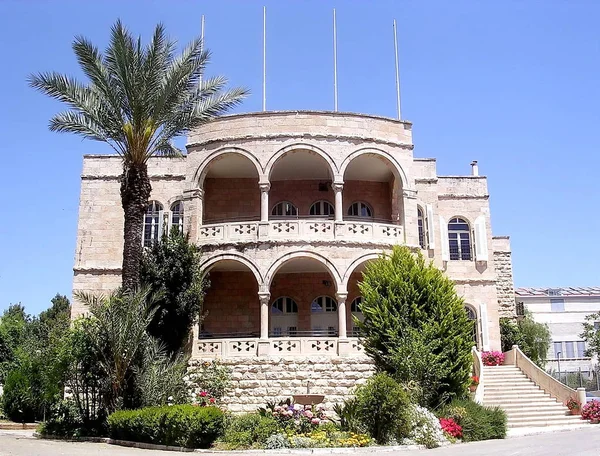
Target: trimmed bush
[
  {"x": 65, "y": 420},
  {"x": 383, "y": 408},
  {"x": 477, "y": 422},
  {"x": 179, "y": 425},
  {"x": 250, "y": 430},
  {"x": 17, "y": 401}
]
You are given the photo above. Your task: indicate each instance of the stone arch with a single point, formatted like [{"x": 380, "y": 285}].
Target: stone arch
[
  {"x": 202, "y": 170},
  {"x": 276, "y": 265},
  {"x": 333, "y": 169},
  {"x": 397, "y": 169},
  {"x": 357, "y": 262},
  {"x": 208, "y": 264}
]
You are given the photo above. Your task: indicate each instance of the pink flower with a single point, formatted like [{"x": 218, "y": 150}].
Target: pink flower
[
  {"x": 315, "y": 421},
  {"x": 212, "y": 400},
  {"x": 308, "y": 414},
  {"x": 203, "y": 394}
]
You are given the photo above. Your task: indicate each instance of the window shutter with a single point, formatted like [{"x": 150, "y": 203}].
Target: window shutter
[
  {"x": 444, "y": 239},
  {"x": 430, "y": 227},
  {"x": 481, "y": 248},
  {"x": 485, "y": 334}
]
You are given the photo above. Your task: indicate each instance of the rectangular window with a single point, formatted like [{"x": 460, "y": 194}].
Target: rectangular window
[
  {"x": 558, "y": 350},
  {"x": 570, "y": 349},
  {"x": 292, "y": 331},
  {"x": 557, "y": 304},
  {"x": 580, "y": 349}
]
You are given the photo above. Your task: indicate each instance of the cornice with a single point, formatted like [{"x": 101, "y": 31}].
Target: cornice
[
  {"x": 303, "y": 136},
  {"x": 113, "y": 177},
  {"x": 452, "y": 196}
]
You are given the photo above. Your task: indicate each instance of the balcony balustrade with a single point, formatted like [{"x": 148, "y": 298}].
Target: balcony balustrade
[
  {"x": 278, "y": 346},
  {"x": 304, "y": 229}
]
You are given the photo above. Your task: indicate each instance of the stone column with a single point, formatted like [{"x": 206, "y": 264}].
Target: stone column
[
  {"x": 341, "y": 302},
  {"x": 263, "y": 343},
  {"x": 263, "y": 226},
  {"x": 264, "y": 314},
  {"x": 193, "y": 201},
  {"x": 264, "y": 202},
  {"x": 408, "y": 217},
  {"x": 343, "y": 341},
  {"x": 339, "y": 209}
]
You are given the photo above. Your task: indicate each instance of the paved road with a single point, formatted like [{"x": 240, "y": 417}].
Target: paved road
[{"x": 581, "y": 442}]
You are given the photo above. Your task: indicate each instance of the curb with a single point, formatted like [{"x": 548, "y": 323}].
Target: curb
[
  {"x": 17, "y": 426},
  {"x": 153, "y": 446}
]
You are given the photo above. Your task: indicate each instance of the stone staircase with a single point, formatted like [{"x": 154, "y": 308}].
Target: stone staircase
[{"x": 525, "y": 404}]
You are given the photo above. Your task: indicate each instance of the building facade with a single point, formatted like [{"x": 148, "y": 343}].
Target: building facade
[
  {"x": 288, "y": 208},
  {"x": 564, "y": 311}
]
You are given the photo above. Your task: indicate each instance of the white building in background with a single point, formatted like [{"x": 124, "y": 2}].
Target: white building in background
[{"x": 564, "y": 310}]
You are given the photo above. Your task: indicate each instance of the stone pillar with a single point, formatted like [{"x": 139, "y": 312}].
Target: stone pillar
[
  {"x": 339, "y": 208},
  {"x": 263, "y": 343},
  {"x": 193, "y": 201},
  {"x": 408, "y": 217},
  {"x": 264, "y": 314},
  {"x": 341, "y": 302},
  {"x": 264, "y": 202}
]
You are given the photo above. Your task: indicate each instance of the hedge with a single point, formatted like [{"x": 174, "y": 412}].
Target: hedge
[{"x": 178, "y": 425}]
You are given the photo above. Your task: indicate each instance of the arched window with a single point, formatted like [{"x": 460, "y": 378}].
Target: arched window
[
  {"x": 421, "y": 224},
  {"x": 356, "y": 313},
  {"x": 177, "y": 216},
  {"x": 360, "y": 209},
  {"x": 323, "y": 208},
  {"x": 324, "y": 318},
  {"x": 152, "y": 223},
  {"x": 472, "y": 316},
  {"x": 284, "y": 209},
  {"x": 284, "y": 317},
  {"x": 459, "y": 237}
]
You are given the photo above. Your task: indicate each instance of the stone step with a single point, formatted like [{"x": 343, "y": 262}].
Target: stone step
[
  {"x": 529, "y": 413},
  {"x": 514, "y": 394},
  {"x": 549, "y": 406},
  {"x": 520, "y": 401},
  {"x": 518, "y": 387},
  {"x": 559, "y": 421},
  {"x": 506, "y": 376}
]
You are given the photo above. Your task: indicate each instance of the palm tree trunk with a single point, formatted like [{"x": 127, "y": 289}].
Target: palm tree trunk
[{"x": 135, "y": 191}]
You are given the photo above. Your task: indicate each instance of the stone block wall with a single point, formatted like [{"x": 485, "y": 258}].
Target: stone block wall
[
  {"x": 504, "y": 283},
  {"x": 258, "y": 380}
]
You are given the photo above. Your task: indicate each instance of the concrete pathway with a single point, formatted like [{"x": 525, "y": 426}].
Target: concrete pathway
[{"x": 580, "y": 442}]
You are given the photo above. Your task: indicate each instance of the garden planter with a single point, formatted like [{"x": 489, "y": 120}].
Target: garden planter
[
  {"x": 576, "y": 411},
  {"x": 595, "y": 420}
]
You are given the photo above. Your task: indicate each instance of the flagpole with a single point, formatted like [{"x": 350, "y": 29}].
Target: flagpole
[
  {"x": 264, "y": 86},
  {"x": 335, "y": 90},
  {"x": 397, "y": 73},
  {"x": 201, "y": 42}
]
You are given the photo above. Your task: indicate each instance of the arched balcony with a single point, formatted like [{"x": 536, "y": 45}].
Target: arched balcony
[{"x": 301, "y": 193}]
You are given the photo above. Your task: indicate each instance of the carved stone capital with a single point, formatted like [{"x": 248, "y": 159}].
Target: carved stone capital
[
  {"x": 193, "y": 193},
  {"x": 341, "y": 297},
  {"x": 337, "y": 186},
  {"x": 264, "y": 297},
  {"x": 264, "y": 187}
]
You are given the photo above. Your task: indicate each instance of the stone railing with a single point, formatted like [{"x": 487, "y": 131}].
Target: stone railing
[
  {"x": 478, "y": 372},
  {"x": 277, "y": 346},
  {"x": 541, "y": 378},
  {"x": 304, "y": 229}
]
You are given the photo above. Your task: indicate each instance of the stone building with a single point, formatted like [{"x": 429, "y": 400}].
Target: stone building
[{"x": 288, "y": 208}]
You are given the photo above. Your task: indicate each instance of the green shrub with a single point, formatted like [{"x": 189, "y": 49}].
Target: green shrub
[
  {"x": 383, "y": 408},
  {"x": 17, "y": 401},
  {"x": 250, "y": 430},
  {"x": 477, "y": 422},
  {"x": 532, "y": 338},
  {"x": 66, "y": 420},
  {"x": 415, "y": 325},
  {"x": 212, "y": 377},
  {"x": 179, "y": 425}
]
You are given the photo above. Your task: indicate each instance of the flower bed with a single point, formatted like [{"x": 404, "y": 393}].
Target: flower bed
[{"x": 591, "y": 411}]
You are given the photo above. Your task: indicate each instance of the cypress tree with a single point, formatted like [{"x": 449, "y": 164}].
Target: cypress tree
[{"x": 415, "y": 326}]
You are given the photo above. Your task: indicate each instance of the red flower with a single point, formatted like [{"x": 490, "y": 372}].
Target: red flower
[
  {"x": 203, "y": 394},
  {"x": 451, "y": 427},
  {"x": 212, "y": 400}
]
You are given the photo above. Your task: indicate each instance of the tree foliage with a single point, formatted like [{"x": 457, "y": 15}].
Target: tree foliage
[
  {"x": 533, "y": 338},
  {"x": 591, "y": 334},
  {"x": 171, "y": 271},
  {"x": 415, "y": 325},
  {"x": 137, "y": 99},
  {"x": 13, "y": 324}
]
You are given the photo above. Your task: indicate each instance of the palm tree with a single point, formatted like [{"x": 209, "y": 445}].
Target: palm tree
[{"x": 138, "y": 99}]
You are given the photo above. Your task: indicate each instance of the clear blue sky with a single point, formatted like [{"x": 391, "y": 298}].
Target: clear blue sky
[{"x": 513, "y": 84}]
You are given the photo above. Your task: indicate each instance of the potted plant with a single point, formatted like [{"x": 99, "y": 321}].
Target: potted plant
[
  {"x": 591, "y": 411},
  {"x": 474, "y": 383},
  {"x": 492, "y": 358},
  {"x": 573, "y": 406}
]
